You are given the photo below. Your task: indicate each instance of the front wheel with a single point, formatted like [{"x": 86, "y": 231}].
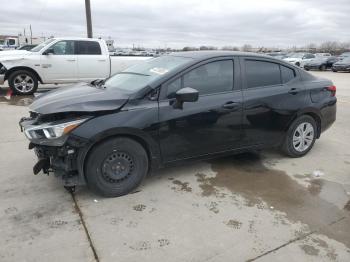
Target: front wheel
[
  {"x": 23, "y": 82},
  {"x": 300, "y": 136},
  {"x": 116, "y": 166}
]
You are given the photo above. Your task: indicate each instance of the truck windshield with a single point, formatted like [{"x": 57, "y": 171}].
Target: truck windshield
[
  {"x": 42, "y": 45},
  {"x": 138, "y": 76}
]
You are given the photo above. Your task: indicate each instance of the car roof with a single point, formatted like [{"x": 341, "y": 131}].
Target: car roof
[
  {"x": 201, "y": 55},
  {"x": 78, "y": 38}
]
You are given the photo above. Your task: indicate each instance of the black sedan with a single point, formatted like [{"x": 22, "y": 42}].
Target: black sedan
[
  {"x": 192, "y": 105},
  {"x": 26, "y": 47},
  {"x": 320, "y": 63},
  {"x": 342, "y": 65}
]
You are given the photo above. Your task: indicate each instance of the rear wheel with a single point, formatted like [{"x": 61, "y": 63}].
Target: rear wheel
[
  {"x": 300, "y": 136},
  {"x": 23, "y": 82},
  {"x": 116, "y": 166}
]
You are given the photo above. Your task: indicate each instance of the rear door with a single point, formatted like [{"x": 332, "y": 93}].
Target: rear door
[
  {"x": 92, "y": 62},
  {"x": 61, "y": 66},
  {"x": 272, "y": 96},
  {"x": 211, "y": 124}
]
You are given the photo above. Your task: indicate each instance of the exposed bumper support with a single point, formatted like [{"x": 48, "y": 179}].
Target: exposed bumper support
[
  {"x": 2, "y": 79},
  {"x": 61, "y": 161}
]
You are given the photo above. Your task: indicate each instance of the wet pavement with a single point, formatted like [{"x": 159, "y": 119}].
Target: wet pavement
[{"x": 249, "y": 207}]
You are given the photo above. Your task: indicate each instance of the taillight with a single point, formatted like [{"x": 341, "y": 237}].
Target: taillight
[{"x": 332, "y": 89}]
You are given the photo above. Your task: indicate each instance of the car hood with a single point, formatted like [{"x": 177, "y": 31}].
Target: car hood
[
  {"x": 342, "y": 63},
  {"x": 291, "y": 59},
  {"x": 81, "y": 97},
  {"x": 14, "y": 52}
]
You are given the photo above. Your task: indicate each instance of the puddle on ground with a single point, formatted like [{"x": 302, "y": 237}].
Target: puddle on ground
[
  {"x": 246, "y": 175},
  {"x": 16, "y": 100}
]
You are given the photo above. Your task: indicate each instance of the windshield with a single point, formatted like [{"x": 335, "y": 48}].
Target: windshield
[
  {"x": 42, "y": 45},
  {"x": 138, "y": 76}
]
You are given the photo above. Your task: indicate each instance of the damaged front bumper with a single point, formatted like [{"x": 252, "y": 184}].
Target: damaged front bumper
[{"x": 61, "y": 160}]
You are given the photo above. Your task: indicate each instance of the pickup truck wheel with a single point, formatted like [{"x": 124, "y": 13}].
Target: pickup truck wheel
[
  {"x": 23, "y": 82},
  {"x": 300, "y": 136},
  {"x": 116, "y": 166}
]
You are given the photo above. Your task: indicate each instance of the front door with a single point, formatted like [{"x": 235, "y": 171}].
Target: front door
[
  {"x": 211, "y": 124},
  {"x": 61, "y": 66}
]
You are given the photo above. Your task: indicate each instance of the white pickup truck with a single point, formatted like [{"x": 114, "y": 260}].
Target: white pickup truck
[{"x": 60, "y": 60}]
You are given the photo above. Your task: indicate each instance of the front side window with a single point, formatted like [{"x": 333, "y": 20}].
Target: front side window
[
  {"x": 214, "y": 77},
  {"x": 262, "y": 73},
  {"x": 173, "y": 87},
  {"x": 12, "y": 42},
  {"x": 88, "y": 48},
  {"x": 63, "y": 48},
  {"x": 42, "y": 45}
]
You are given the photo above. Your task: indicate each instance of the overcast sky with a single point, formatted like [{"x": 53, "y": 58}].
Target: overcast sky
[{"x": 178, "y": 23}]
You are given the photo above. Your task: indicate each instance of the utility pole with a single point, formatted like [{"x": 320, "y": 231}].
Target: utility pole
[
  {"x": 31, "y": 34},
  {"x": 88, "y": 18}
]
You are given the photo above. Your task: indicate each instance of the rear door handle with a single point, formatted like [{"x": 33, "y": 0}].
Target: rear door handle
[
  {"x": 230, "y": 105},
  {"x": 294, "y": 91},
  {"x": 102, "y": 60}
]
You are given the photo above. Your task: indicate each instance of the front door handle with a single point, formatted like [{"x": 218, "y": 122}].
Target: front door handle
[
  {"x": 230, "y": 105},
  {"x": 71, "y": 60},
  {"x": 294, "y": 91}
]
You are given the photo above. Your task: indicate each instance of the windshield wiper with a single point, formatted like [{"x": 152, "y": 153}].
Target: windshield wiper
[{"x": 133, "y": 73}]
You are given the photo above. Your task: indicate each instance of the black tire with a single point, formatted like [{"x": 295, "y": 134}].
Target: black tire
[
  {"x": 297, "y": 64},
  {"x": 306, "y": 68},
  {"x": 116, "y": 166},
  {"x": 30, "y": 88},
  {"x": 323, "y": 68},
  {"x": 288, "y": 147},
  {"x": 334, "y": 70}
]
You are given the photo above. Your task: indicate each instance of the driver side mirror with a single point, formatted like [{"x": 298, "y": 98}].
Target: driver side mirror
[
  {"x": 49, "y": 51},
  {"x": 186, "y": 94}
]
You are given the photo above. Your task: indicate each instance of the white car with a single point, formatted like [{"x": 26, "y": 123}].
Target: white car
[
  {"x": 323, "y": 54},
  {"x": 299, "y": 59},
  {"x": 60, "y": 60}
]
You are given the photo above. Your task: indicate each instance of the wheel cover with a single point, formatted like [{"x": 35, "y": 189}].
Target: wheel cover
[
  {"x": 117, "y": 166},
  {"x": 303, "y": 137},
  {"x": 23, "y": 83}
]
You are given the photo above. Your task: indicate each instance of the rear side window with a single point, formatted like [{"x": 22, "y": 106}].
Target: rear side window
[
  {"x": 261, "y": 73},
  {"x": 88, "y": 48},
  {"x": 214, "y": 77},
  {"x": 287, "y": 74}
]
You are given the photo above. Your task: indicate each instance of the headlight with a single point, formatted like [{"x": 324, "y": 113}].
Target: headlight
[{"x": 52, "y": 130}]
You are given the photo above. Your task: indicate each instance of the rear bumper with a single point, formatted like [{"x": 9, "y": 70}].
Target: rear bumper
[
  {"x": 329, "y": 114},
  {"x": 341, "y": 68},
  {"x": 312, "y": 67}
]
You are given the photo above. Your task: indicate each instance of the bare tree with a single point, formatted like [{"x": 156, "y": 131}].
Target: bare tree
[
  {"x": 230, "y": 48},
  {"x": 246, "y": 48}
]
